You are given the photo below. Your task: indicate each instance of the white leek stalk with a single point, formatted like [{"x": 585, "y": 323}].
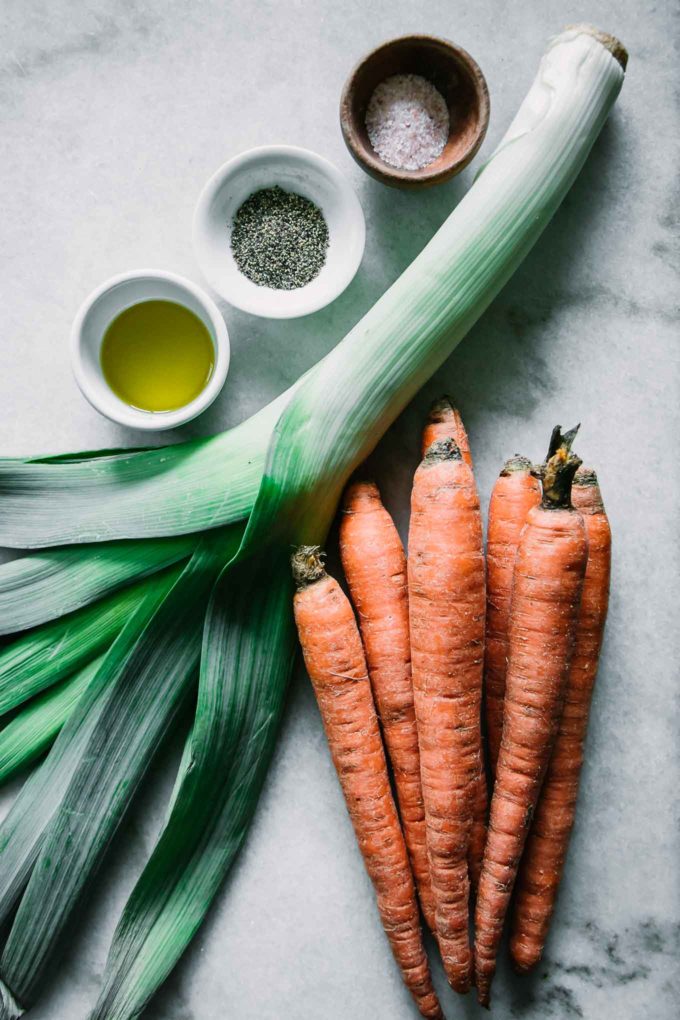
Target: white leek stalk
[{"x": 342, "y": 409}]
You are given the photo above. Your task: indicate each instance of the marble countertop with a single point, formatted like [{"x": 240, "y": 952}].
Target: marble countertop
[{"x": 112, "y": 115}]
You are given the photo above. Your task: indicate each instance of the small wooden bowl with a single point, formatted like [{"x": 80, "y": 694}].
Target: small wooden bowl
[{"x": 457, "y": 77}]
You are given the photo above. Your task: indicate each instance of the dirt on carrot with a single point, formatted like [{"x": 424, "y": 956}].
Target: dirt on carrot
[
  {"x": 545, "y": 853},
  {"x": 548, "y": 578},
  {"x": 516, "y": 491},
  {"x": 336, "y": 664},
  {"x": 374, "y": 564},
  {"x": 447, "y": 609}
]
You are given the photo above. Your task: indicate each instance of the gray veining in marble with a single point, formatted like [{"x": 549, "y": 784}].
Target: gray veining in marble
[{"x": 113, "y": 113}]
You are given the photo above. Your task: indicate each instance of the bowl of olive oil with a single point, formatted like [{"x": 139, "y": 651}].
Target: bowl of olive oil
[{"x": 150, "y": 350}]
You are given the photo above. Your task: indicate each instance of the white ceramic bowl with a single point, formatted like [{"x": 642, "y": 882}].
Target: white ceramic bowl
[
  {"x": 296, "y": 170},
  {"x": 98, "y": 312}
]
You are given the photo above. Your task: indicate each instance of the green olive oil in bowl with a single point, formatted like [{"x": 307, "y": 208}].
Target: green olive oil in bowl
[{"x": 157, "y": 356}]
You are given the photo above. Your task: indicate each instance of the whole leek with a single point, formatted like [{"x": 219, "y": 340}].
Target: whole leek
[
  {"x": 331, "y": 423},
  {"x": 328, "y": 425}
]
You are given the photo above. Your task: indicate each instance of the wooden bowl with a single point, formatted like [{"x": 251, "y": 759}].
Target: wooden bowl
[{"x": 457, "y": 77}]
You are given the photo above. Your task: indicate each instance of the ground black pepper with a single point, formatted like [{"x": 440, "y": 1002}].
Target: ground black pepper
[{"x": 279, "y": 239}]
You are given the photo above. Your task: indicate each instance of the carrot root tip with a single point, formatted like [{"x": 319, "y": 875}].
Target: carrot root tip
[{"x": 520, "y": 967}]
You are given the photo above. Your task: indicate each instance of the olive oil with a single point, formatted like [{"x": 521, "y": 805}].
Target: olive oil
[{"x": 157, "y": 356}]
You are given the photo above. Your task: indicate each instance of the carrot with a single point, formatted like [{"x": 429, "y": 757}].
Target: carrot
[
  {"x": 446, "y": 605},
  {"x": 444, "y": 421},
  {"x": 375, "y": 567},
  {"x": 480, "y": 805},
  {"x": 513, "y": 495},
  {"x": 336, "y": 664},
  {"x": 546, "y": 849},
  {"x": 548, "y": 577}
]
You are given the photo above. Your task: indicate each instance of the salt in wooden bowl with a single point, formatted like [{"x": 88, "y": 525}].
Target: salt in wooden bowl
[{"x": 453, "y": 72}]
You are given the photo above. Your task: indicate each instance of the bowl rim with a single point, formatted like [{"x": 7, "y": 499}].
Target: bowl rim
[
  {"x": 116, "y": 409},
  {"x": 375, "y": 166},
  {"x": 273, "y": 152}
]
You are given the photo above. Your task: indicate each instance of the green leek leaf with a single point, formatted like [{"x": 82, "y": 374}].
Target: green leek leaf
[
  {"x": 42, "y": 657},
  {"x": 23, "y": 829},
  {"x": 34, "y": 729},
  {"x": 248, "y": 651},
  {"x": 49, "y": 584},
  {"x": 144, "y": 691},
  {"x": 171, "y": 490}
]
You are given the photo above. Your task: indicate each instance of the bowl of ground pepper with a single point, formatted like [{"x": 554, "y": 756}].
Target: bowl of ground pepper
[{"x": 278, "y": 232}]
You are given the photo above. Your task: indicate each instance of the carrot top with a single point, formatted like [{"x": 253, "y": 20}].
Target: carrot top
[
  {"x": 443, "y": 449},
  {"x": 441, "y": 409},
  {"x": 307, "y": 565},
  {"x": 559, "y": 469},
  {"x": 586, "y": 476},
  {"x": 518, "y": 463},
  {"x": 444, "y": 420},
  {"x": 587, "y": 495},
  {"x": 559, "y": 439}
]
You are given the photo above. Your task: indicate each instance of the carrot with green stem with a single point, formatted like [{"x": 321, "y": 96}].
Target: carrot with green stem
[
  {"x": 444, "y": 421},
  {"x": 548, "y": 578},
  {"x": 374, "y": 563},
  {"x": 446, "y": 606},
  {"x": 516, "y": 491},
  {"x": 545, "y": 853},
  {"x": 335, "y": 661}
]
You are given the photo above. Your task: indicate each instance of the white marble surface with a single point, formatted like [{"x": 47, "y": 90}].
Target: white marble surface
[{"x": 113, "y": 113}]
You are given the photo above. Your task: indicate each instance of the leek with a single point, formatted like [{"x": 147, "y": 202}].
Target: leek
[
  {"x": 31, "y": 732},
  {"x": 329, "y": 425}
]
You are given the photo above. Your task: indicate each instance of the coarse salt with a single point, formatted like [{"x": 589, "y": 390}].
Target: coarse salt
[{"x": 407, "y": 121}]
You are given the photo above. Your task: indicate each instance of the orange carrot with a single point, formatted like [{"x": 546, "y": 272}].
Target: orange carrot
[
  {"x": 446, "y": 605},
  {"x": 546, "y": 849},
  {"x": 375, "y": 567},
  {"x": 444, "y": 421},
  {"x": 549, "y": 568},
  {"x": 336, "y": 664},
  {"x": 479, "y": 811},
  {"x": 513, "y": 496}
]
